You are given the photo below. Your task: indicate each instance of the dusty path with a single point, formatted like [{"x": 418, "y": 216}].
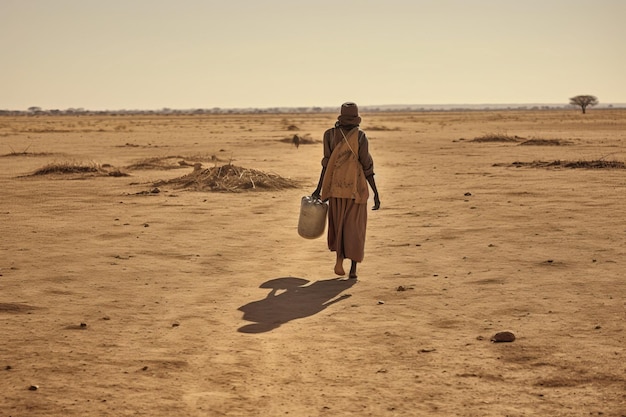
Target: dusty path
[{"x": 114, "y": 301}]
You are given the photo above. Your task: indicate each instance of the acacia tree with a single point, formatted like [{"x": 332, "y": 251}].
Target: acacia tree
[{"x": 583, "y": 102}]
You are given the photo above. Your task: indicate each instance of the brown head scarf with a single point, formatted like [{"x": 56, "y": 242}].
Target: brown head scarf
[{"x": 349, "y": 115}]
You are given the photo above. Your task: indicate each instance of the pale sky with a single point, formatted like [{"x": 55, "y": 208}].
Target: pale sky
[{"x": 185, "y": 54}]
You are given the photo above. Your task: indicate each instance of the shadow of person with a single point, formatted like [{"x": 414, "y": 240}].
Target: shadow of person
[{"x": 291, "y": 298}]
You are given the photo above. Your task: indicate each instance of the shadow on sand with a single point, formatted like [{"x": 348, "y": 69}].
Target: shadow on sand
[{"x": 292, "y": 298}]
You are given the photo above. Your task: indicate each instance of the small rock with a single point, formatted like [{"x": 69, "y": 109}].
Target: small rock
[
  {"x": 503, "y": 337},
  {"x": 467, "y": 194},
  {"x": 155, "y": 190},
  {"x": 33, "y": 388},
  {"x": 83, "y": 325},
  {"x": 401, "y": 288},
  {"x": 381, "y": 302}
]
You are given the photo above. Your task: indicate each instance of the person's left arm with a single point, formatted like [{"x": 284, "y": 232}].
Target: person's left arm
[{"x": 367, "y": 162}]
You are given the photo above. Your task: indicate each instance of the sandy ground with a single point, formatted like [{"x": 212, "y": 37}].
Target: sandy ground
[{"x": 116, "y": 302}]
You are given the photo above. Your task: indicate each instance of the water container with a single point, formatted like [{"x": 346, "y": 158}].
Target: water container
[{"x": 312, "y": 220}]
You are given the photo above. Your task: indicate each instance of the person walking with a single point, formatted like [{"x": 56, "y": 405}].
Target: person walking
[{"x": 347, "y": 169}]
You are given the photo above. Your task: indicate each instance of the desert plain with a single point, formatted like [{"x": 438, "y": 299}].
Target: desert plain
[{"x": 127, "y": 292}]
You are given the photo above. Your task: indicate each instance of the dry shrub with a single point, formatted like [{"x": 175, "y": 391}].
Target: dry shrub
[
  {"x": 229, "y": 178},
  {"x": 171, "y": 162},
  {"x": 595, "y": 164},
  {"x": 497, "y": 137},
  {"x": 91, "y": 168}
]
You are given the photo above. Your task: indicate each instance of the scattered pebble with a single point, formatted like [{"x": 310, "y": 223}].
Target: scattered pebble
[
  {"x": 381, "y": 302},
  {"x": 33, "y": 388}
]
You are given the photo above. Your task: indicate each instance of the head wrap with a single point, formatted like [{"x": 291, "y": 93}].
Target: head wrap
[{"x": 349, "y": 115}]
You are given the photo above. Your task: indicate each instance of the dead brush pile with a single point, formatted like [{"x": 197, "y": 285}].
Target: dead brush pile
[
  {"x": 497, "y": 137},
  {"x": 71, "y": 167},
  {"x": 582, "y": 164},
  {"x": 229, "y": 178},
  {"x": 171, "y": 162}
]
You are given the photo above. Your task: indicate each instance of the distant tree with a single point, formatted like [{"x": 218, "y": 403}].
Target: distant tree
[
  {"x": 583, "y": 102},
  {"x": 34, "y": 109}
]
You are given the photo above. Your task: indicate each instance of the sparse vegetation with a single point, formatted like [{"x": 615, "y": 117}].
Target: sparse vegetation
[
  {"x": 229, "y": 178},
  {"x": 497, "y": 137},
  {"x": 171, "y": 162},
  {"x": 381, "y": 129},
  {"x": 72, "y": 167},
  {"x": 592, "y": 164},
  {"x": 583, "y": 101}
]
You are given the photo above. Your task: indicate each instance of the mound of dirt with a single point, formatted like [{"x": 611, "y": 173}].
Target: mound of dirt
[
  {"x": 544, "y": 142},
  {"x": 229, "y": 178}
]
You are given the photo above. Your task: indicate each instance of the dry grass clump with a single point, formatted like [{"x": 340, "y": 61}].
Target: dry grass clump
[
  {"x": 593, "y": 164},
  {"x": 381, "y": 129},
  {"x": 170, "y": 162},
  {"x": 497, "y": 137},
  {"x": 71, "y": 167},
  {"x": 7, "y": 155},
  {"x": 24, "y": 153},
  {"x": 229, "y": 178}
]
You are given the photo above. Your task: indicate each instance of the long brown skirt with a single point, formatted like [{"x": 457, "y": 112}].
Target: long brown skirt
[{"x": 347, "y": 222}]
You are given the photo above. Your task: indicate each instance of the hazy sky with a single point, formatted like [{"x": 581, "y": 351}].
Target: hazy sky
[{"x": 183, "y": 54}]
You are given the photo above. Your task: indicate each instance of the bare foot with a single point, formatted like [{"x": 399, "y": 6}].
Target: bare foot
[
  {"x": 353, "y": 270},
  {"x": 339, "y": 267}
]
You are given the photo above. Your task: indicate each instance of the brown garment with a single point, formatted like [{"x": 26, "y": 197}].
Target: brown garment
[
  {"x": 347, "y": 223},
  {"x": 332, "y": 137},
  {"x": 344, "y": 177},
  {"x": 347, "y": 219}
]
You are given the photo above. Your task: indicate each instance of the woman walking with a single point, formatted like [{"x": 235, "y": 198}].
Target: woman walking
[{"x": 347, "y": 169}]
